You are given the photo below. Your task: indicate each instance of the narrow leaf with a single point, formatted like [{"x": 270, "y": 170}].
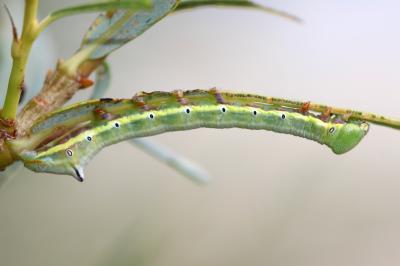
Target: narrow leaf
[
  {"x": 189, "y": 4},
  {"x": 97, "y": 6},
  {"x": 101, "y": 6},
  {"x": 133, "y": 26}
]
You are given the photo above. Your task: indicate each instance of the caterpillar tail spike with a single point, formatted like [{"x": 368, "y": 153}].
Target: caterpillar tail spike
[
  {"x": 90, "y": 126},
  {"x": 78, "y": 174}
]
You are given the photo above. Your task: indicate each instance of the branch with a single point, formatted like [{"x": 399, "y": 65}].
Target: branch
[
  {"x": 58, "y": 88},
  {"x": 20, "y": 53}
]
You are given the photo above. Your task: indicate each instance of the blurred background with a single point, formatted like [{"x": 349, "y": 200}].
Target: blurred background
[{"x": 274, "y": 199}]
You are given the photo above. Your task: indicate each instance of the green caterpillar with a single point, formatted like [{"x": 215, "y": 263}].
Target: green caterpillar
[{"x": 90, "y": 126}]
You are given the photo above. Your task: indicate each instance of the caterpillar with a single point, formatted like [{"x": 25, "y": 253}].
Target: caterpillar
[{"x": 92, "y": 125}]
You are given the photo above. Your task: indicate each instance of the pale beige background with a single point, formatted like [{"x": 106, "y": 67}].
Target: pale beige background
[{"x": 274, "y": 199}]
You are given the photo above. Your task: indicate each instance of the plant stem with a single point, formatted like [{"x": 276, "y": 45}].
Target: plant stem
[
  {"x": 20, "y": 53},
  {"x": 57, "y": 90}
]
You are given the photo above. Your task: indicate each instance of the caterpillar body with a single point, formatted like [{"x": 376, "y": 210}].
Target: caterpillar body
[{"x": 90, "y": 126}]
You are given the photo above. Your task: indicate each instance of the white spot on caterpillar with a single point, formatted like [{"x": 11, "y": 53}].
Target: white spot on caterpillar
[
  {"x": 331, "y": 130},
  {"x": 151, "y": 116},
  {"x": 117, "y": 124},
  {"x": 68, "y": 152},
  {"x": 89, "y": 138},
  {"x": 283, "y": 116},
  {"x": 223, "y": 109},
  {"x": 187, "y": 110}
]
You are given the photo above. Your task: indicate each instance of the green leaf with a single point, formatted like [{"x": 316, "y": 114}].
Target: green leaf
[
  {"x": 133, "y": 26},
  {"x": 97, "y": 6},
  {"x": 189, "y": 4}
]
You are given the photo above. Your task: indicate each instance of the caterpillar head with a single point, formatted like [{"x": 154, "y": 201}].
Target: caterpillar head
[
  {"x": 61, "y": 162},
  {"x": 342, "y": 138}
]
